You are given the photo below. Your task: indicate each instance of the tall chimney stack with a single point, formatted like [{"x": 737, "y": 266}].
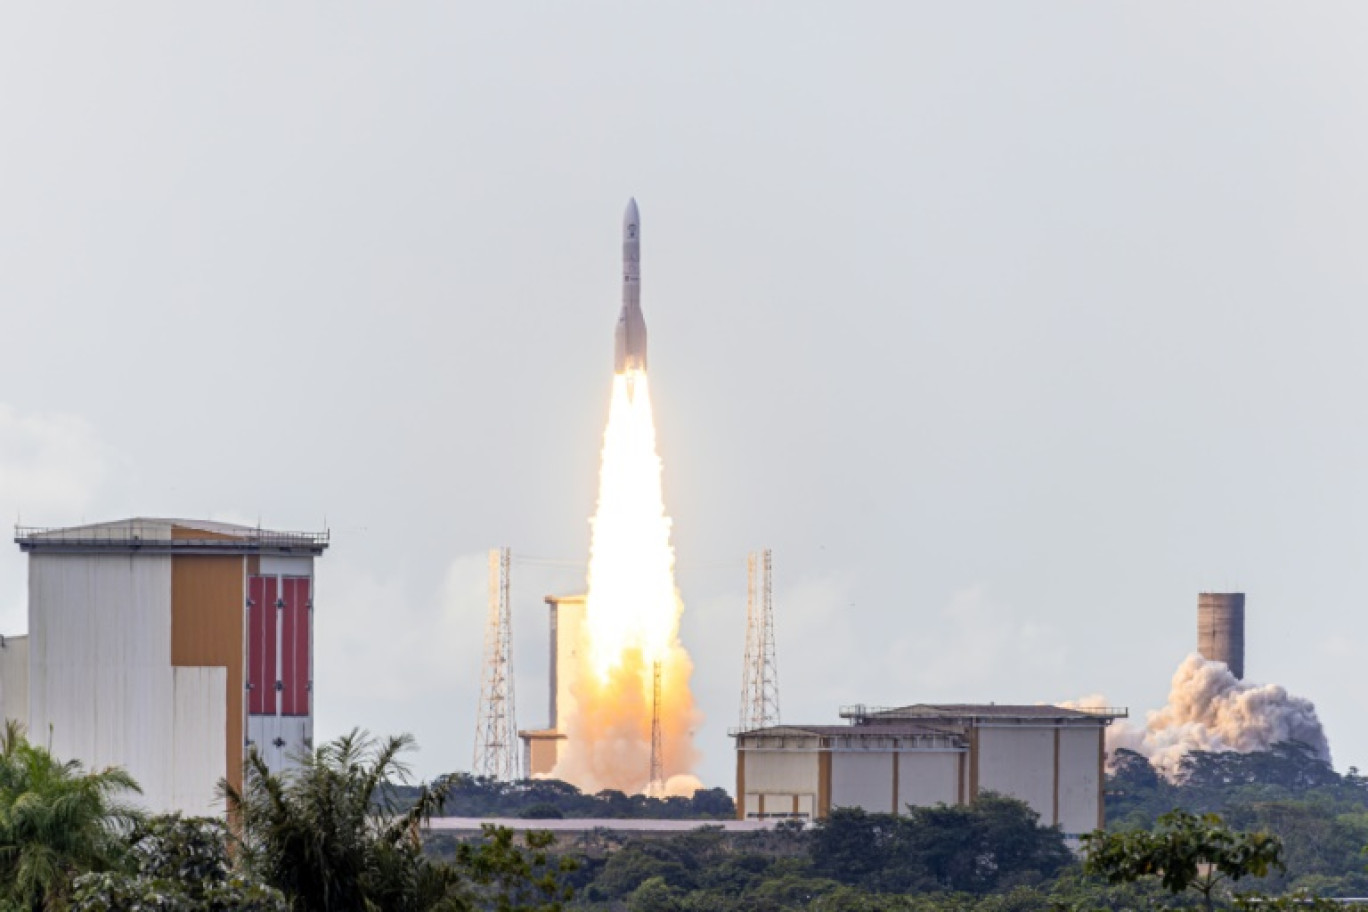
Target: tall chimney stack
[{"x": 1220, "y": 629}]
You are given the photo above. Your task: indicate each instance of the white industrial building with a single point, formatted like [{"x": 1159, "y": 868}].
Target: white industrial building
[
  {"x": 884, "y": 760},
  {"x": 168, "y": 648}
]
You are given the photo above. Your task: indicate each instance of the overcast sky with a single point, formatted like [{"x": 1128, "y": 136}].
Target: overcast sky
[{"x": 1009, "y": 327}]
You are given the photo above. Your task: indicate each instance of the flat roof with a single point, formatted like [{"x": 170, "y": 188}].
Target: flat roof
[
  {"x": 541, "y": 734},
  {"x": 898, "y": 729},
  {"x": 938, "y": 711},
  {"x": 168, "y": 536}
]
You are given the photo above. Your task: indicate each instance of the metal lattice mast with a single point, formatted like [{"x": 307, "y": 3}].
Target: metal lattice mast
[
  {"x": 496, "y": 729},
  {"x": 656, "y": 786},
  {"x": 760, "y": 673}
]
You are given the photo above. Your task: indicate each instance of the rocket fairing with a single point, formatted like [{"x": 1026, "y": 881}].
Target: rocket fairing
[{"x": 630, "y": 338}]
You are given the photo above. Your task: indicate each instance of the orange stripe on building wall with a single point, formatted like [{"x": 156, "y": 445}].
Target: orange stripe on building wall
[
  {"x": 740, "y": 782},
  {"x": 207, "y": 602}
]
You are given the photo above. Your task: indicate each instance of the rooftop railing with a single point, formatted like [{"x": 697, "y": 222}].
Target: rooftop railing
[{"x": 132, "y": 536}]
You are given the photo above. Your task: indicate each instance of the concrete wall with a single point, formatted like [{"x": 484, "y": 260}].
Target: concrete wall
[
  {"x": 926, "y": 778},
  {"x": 540, "y": 755},
  {"x": 1019, "y": 761},
  {"x": 1080, "y": 779},
  {"x": 862, "y": 779},
  {"x": 779, "y": 779},
  {"x": 567, "y": 647},
  {"x": 14, "y": 679},
  {"x": 1220, "y": 629}
]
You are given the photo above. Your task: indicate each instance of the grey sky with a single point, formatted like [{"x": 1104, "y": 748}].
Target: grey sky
[{"x": 1008, "y": 326}]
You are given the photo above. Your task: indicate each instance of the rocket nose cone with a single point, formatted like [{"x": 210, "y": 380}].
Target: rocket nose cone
[{"x": 631, "y": 219}]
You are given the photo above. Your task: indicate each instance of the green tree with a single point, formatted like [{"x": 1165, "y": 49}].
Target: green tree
[
  {"x": 993, "y": 843},
  {"x": 327, "y": 834},
  {"x": 512, "y": 876},
  {"x": 1185, "y": 852},
  {"x": 57, "y": 821},
  {"x": 179, "y": 865}
]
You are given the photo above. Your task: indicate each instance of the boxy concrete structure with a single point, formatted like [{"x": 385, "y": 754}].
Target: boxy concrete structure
[
  {"x": 886, "y": 759},
  {"x": 1220, "y": 629},
  {"x": 542, "y": 747},
  {"x": 169, "y": 648}
]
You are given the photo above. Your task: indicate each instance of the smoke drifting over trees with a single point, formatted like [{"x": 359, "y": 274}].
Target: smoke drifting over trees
[{"x": 1209, "y": 709}]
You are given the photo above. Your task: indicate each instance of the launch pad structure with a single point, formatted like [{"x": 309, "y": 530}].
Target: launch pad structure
[
  {"x": 542, "y": 748},
  {"x": 496, "y": 744},
  {"x": 760, "y": 669}
]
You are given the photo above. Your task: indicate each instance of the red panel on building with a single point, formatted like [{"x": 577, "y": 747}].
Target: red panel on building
[
  {"x": 261, "y": 645},
  {"x": 294, "y": 652}
]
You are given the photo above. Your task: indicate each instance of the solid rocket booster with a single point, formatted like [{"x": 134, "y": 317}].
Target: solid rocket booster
[{"x": 630, "y": 338}]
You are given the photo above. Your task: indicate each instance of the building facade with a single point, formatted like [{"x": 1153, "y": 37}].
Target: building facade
[
  {"x": 169, "y": 648},
  {"x": 884, "y": 760}
]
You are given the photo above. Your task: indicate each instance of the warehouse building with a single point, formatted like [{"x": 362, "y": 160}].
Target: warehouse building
[
  {"x": 166, "y": 647},
  {"x": 884, "y": 760}
]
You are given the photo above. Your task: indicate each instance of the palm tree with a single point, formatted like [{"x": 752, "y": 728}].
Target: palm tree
[
  {"x": 56, "y": 821},
  {"x": 329, "y": 833}
]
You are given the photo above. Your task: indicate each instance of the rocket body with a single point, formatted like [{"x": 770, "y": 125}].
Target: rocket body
[{"x": 630, "y": 337}]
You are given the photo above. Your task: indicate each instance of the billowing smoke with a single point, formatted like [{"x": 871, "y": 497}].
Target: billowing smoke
[
  {"x": 1209, "y": 709},
  {"x": 629, "y": 649}
]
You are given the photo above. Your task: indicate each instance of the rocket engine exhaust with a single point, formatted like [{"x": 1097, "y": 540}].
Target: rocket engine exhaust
[{"x": 632, "y": 611}]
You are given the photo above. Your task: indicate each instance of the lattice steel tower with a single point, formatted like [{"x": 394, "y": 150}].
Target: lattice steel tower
[
  {"x": 760, "y": 674},
  {"x": 496, "y": 729}
]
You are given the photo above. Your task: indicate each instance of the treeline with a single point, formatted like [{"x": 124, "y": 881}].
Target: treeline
[
  {"x": 546, "y": 799},
  {"x": 1320, "y": 815},
  {"x": 993, "y": 856},
  {"x": 994, "y": 845}
]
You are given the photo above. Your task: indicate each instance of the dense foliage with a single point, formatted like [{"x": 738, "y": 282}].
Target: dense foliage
[
  {"x": 1282, "y": 806},
  {"x": 333, "y": 835},
  {"x": 343, "y": 832},
  {"x": 533, "y": 799},
  {"x": 1185, "y": 852},
  {"x": 1320, "y": 815},
  {"x": 322, "y": 833},
  {"x": 57, "y": 821},
  {"x": 176, "y": 865},
  {"x": 994, "y": 845}
]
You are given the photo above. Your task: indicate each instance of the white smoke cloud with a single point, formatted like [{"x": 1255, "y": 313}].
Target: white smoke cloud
[{"x": 1209, "y": 709}]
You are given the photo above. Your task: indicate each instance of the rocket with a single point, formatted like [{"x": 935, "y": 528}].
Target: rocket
[{"x": 630, "y": 337}]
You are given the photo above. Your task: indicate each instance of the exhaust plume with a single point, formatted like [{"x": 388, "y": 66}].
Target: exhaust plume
[
  {"x": 631, "y": 621},
  {"x": 1209, "y": 709}
]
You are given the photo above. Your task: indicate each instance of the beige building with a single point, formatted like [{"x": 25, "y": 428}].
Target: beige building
[{"x": 886, "y": 759}]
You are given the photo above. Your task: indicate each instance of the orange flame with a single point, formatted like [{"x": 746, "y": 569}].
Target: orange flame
[{"x": 631, "y": 620}]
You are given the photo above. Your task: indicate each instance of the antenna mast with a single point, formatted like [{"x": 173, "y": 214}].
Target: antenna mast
[
  {"x": 496, "y": 729},
  {"x": 656, "y": 787},
  {"x": 760, "y": 673}
]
